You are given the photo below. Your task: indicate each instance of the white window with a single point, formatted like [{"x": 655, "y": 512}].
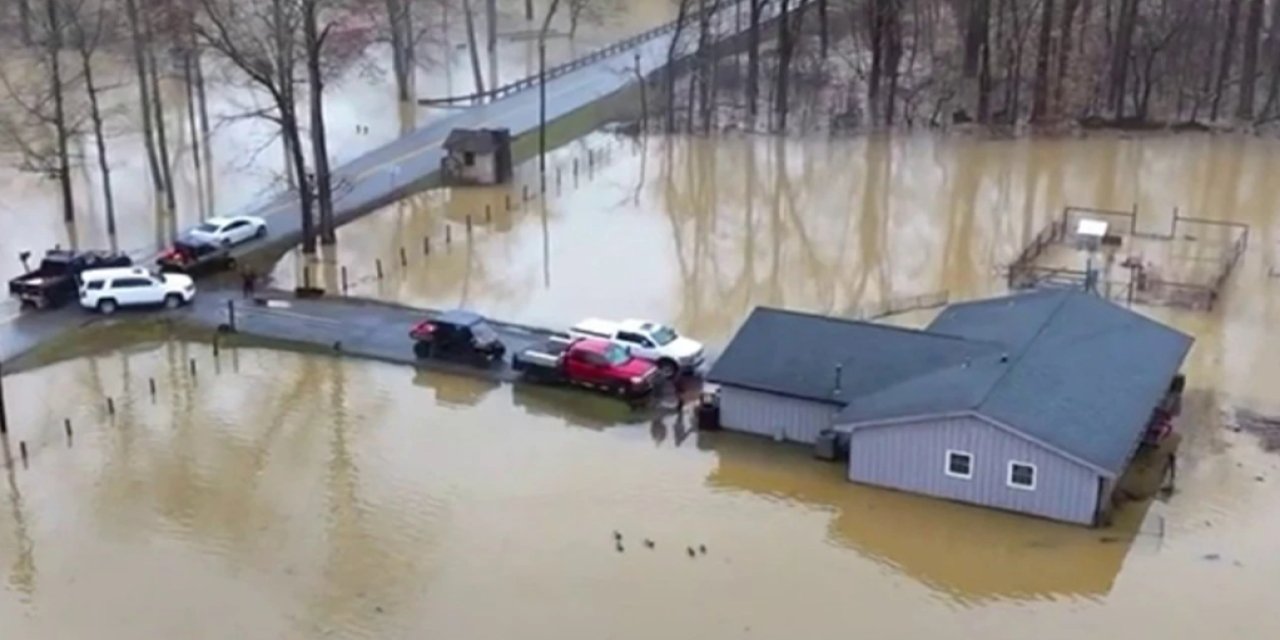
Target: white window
[
  {"x": 1022, "y": 475},
  {"x": 959, "y": 464}
]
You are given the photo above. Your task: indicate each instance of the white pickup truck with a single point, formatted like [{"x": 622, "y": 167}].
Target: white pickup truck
[{"x": 648, "y": 340}]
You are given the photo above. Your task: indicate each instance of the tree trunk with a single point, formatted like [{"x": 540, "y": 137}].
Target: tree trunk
[
  {"x": 893, "y": 55},
  {"x": 1273, "y": 54},
  {"x": 144, "y": 95},
  {"x": 474, "y": 47},
  {"x": 1249, "y": 70},
  {"x": 975, "y": 37},
  {"x": 1040, "y": 97},
  {"x": 704, "y": 66},
  {"x": 875, "y": 23},
  {"x": 189, "y": 81},
  {"x": 319, "y": 144},
  {"x": 528, "y": 10},
  {"x": 1120, "y": 55},
  {"x": 1064, "y": 53},
  {"x": 204, "y": 128},
  {"x": 1227, "y": 55},
  {"x": 491, "y": 37},
  {"x": 401, "y": 34},
  {"x": 95, "y": 113},
  {"x": 824, "y": 35},
  {"x": 54, "y": 49},
  {"x": 157, "y": 105},
  {"x": 753, "y": 59},
  {"x": 669, "y": 73},
  {"x": 24, "y": 21},
  {"x": 784, "y": 65}
]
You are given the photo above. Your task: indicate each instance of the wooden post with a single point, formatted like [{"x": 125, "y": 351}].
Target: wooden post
[
  {"x": 231, "y": 315},
  {"x": 524, "y": 193},
  {"x": 426, "y": 245},
  {"x": 192, "y": 366},
  {"x": 377, "y": 264},
  {"x": 508, "y": 200},
  {"x": 448, "y": 236},
  {"x": 468, "y": 225},
  {"x": 22, "y": 449},
  {"x": 488, "y": 214},
  {"x": 151, "y": 384},
  {"x": 66, "y": 426},
  {"x": 404, "y": 259},
  {"x": 111, "y": 407},
  {"x": 575, "y": 173}
]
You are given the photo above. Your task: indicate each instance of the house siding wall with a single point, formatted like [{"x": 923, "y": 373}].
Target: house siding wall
[
  {"x": 767, "y": 414},
  {"x": 912, "y": 457}
]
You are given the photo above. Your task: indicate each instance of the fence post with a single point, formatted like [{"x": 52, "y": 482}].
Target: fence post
[
  {"x": 231, "y": 315},
  {"x": 448, "y": 236},
  {"x": 344, "y": 279},
  {"x": 404, "y": 259},
  {"x": 488, "y": 213},
  {"x": 377, "y": 263},
  {"x": 468, "y": 225},
  {"x": 426, "y": 245}
]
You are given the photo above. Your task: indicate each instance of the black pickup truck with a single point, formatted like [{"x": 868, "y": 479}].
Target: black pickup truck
[{"x": 57, "y": 280}]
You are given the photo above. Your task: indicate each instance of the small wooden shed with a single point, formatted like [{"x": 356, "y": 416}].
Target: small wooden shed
[{"x": 477, "y": 157}]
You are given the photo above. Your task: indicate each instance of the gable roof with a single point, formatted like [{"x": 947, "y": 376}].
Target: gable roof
[
  {"x": 1075, "y": 372},
  {"x": 474, "y": 140},
  {"x": 796, "y": 354}
]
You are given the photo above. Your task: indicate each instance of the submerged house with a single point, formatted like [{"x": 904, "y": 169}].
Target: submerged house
[
  {"x": 1034, "y": 403},
  {"x": 477, "y": 157}
]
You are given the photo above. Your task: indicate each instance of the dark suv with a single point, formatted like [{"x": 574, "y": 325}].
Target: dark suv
[{"x": 457, "y": 334}]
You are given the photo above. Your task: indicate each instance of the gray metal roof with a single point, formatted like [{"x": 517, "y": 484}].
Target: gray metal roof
[
  {"x": 1074, "y": 372},
  {"x": 474, "y": 140},
  {"x": 796, "y": 354}
]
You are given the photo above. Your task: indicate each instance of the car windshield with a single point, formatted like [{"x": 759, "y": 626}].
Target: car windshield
[
  {"x": 616, "y": 355},
  {"x": 483, "y": 332},
  {"x": 207, "y": 227},
  {"x": 664, "y": 335}
]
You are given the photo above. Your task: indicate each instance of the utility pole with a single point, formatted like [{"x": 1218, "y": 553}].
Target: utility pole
[{"x": 542, "y": 94}]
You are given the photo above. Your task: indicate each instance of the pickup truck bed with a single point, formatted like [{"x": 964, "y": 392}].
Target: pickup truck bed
[{"x": 545, "y": 361}]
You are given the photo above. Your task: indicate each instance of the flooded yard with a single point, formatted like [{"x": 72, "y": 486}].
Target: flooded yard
[{"x": 278, "y": 495}]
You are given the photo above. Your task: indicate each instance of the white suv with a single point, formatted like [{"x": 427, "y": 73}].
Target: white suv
[
  {"x": 109, "y": 289},
  {"x": 653, "y": 341}
]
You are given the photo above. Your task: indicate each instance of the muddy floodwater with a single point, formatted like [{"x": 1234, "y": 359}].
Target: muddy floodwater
[{"x": 277, "y": 495}]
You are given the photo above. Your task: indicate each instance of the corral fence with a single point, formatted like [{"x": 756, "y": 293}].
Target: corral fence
[{"x": 1024, "y": 272}]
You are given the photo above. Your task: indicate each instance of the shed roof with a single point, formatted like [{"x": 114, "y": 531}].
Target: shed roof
[
  {"x": 1074, "y": 372},
  {"x": 474, "y": 140},
  {"x": 796, "y": 354}
]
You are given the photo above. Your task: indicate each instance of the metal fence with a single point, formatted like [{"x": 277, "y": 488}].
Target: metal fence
[{"x": 532, "y": 80}]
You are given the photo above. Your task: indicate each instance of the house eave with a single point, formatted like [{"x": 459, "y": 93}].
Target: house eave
[{"x": 890, "y": 422}]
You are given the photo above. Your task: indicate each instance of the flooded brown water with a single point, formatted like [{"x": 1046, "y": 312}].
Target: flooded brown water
[{"x": 285, "y": 496}]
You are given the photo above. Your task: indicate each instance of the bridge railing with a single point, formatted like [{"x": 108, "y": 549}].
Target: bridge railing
[{"x": 586, "y": 60}]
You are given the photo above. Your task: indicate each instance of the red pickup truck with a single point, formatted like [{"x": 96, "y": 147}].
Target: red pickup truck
[{"x": 588, "y": 362}]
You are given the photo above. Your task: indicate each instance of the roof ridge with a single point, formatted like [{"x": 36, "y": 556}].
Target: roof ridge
[
  {"x": 877, "y": 325},
  {"x": 1024, "y": 348}
]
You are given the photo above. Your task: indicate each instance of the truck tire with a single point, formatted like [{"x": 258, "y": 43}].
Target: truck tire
[
  {"x": 668, "y": 368},
  {"x": 261, "y": 232},
  {"x": 172, "y": 301},
  {"x": 107, "y": 306},
  {"x": 422, "y": 349}
]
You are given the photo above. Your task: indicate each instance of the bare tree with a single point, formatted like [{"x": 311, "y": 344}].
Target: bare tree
[
  {"x": 24, "y": 21},
  {"x": 1040, "y": 93},
  {"x": 473, "y": 47},
  {"x": 258, "y": 37},
  {"x": 314, "y": 41},
  {"x": 149, "y": 17},
  {"x": 753, "y": 57},
  {"x": 144, "y": 94},
  {"x": 400, "y": 25},
  {"x": 53, "y": 37},
  {"x": 1227, "y": 55},
  {"x": 669, "y": 72},
  {"x": 1249, "y": 68},
  {"x": 87, "y": 33}
]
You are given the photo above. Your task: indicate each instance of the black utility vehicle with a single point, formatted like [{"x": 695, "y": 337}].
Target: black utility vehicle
[
  {"x": 57, "y": 280},
  {"x": 194, "y": 256},
  {"x": 457, "y": 335}
]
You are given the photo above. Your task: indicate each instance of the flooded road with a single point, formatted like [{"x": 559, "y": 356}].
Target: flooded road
[{"x": 285, "y": 496}]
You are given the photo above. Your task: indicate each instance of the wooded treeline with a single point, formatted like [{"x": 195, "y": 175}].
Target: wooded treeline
[{"x": 998, "y": 62}]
